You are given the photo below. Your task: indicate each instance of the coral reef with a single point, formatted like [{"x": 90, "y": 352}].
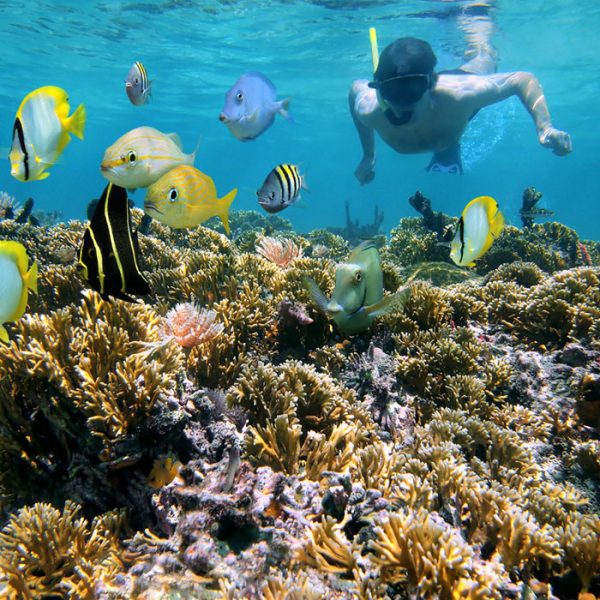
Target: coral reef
[
  {"x": 354, "y": 232},
  {"x": 449, "y": 451}
]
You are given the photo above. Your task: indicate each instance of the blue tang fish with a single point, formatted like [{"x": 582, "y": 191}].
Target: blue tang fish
[{"x": 251, "y": 105}]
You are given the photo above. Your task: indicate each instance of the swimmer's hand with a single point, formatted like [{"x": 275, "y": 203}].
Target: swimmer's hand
[
  {"x": 365, "y": 172},
  {"x": 559, "y": 141}
]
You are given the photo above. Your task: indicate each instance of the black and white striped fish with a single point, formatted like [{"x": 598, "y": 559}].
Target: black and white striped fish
[
  {"x": 137, "y": 85},
  {"x": 281, "y": 188}
]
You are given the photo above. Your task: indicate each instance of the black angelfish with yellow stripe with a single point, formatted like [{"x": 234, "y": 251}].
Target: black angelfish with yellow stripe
[
  {"x": 281, "y": 188},
  {"x": 108, "y": 257}
]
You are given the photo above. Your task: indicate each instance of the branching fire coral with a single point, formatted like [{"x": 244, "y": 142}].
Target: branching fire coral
[{"x": 45, "y": 553}]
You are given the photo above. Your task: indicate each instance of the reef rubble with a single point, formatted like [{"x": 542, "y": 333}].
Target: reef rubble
[{"x": 221, "y": 439}]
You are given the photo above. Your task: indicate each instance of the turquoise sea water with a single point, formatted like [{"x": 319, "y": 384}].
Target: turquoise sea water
[{"x": 312, "y": 50}]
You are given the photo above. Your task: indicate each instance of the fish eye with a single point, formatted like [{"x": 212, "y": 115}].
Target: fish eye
[
  {"x": 239, "y": 96},
  {"x": 132, "y": 157},
  {"x": 358, "y": 276},
  {"x": 272, "y": 195},
  {"x": 173, "y": 194}
]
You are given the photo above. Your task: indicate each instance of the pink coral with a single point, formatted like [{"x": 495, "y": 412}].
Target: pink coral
[
  {"x": 281, "y": 252},
  {"x": 190, "y": 325}
]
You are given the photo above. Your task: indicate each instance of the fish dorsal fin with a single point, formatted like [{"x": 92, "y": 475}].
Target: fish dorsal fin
[
  {"x": 174, "y": 137},
  {"x": 355, "y": 254}
]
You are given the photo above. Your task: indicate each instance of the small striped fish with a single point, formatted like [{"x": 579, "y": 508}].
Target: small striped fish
[
  {"x": 141, "y": 156},
  {"x": 281, "y": 188},
  {"x": 137, "y": 85}
]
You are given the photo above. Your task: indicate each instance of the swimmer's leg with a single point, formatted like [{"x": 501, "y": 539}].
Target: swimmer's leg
[
  {"x": 446, "y": 161},
  {"x": 478, "y": 27}
]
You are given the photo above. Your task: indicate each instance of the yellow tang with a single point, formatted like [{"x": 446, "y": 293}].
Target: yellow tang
[
  {"x": 480, "y": 224},
  {"x": 185, "y": 197},
  {"x": 15, "y": 281},
  {"x": 41, "y": 132}
]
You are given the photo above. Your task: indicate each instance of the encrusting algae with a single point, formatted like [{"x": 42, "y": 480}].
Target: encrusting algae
[{"x": 224, "y": 439}]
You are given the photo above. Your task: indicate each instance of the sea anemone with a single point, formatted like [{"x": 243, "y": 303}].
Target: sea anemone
[
  {"x": 279, "y": 251},
  {"x": 190, "y": 325}
]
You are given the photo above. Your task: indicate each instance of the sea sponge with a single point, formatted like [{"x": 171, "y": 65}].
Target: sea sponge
[{"x": 45, "y": 553}]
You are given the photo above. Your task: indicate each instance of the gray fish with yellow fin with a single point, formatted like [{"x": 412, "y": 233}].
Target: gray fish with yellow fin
[{"x": 357, "y": 299}]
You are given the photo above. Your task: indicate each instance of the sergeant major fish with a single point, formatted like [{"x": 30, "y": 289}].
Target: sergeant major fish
[
  {"x": 109, "y": 254},
  {"x": 480, "y": 224},
  {"x": 358, "y": 295},
  {"x": 251, "y": 105},
  {"x": 185, "y": 197},
  {"x": 137, "y": 84},
  {"x": 15, "y": 282},
  {"x": 138, "y": 158},
  {"x": 281, "y": 188},
  {"x": 42, "y": 131}
]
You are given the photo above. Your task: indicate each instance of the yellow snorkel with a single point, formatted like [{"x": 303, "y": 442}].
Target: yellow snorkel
[{"x": 374, "y": 50}]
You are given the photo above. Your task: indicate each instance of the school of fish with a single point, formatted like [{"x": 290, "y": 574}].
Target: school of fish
[{"x": 181, "y": 196}]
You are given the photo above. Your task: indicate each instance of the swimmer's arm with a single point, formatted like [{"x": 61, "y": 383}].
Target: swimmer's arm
[
  {"x": 360, "y": 106},
  {"x": 365, "y": 133},
  {"x": 489, "y": 89}
]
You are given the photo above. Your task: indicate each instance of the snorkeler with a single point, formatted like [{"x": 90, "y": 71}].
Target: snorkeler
[{"x": 414, "y": 109}]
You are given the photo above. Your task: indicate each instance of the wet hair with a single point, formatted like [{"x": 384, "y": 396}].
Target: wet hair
[{"x": 405, "y": 56}]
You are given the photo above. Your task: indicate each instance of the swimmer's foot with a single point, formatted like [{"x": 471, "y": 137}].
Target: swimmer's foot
[{"x": 446, "y": 161}]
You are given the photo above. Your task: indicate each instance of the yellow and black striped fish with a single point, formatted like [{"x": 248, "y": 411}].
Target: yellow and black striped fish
[
  {"x": 108, "y": 257},
  {"x": 281, "y": 188}
]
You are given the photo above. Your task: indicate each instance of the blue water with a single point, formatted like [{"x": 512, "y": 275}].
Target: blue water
[{"x": 195, "y": 50}]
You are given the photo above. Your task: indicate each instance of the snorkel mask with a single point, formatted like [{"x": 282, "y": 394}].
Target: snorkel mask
[{"x": 396, "y": 93}]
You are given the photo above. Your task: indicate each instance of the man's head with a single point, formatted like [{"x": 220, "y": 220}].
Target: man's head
[{"x": 404, "y": 72}]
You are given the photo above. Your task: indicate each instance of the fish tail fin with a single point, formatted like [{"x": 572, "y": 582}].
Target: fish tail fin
[
  {"x": 284, "y": 105},
  {"x": 31, "y": 277},
  {"x": 224, "y": 204},
  {"x": 193, "y": 154},
  {"x": 4, "y": 335},
  {"x": 75, "y": 124},
  {"x": 497, "y": 223}
]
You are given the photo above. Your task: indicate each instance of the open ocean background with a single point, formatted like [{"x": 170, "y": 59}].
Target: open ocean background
[{"x": 312, "y": 50}]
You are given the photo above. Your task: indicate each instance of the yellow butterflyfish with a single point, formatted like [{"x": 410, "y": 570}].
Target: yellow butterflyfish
[
  {"x": 42, "y": 131},
  {"x": 480, "y": 224},
  {"x": 16, "y": 279}
]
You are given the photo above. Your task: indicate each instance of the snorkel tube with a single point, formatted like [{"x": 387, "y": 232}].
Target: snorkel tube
[
  {"x": 374, "y": 50},
  {"x": 385, "y": 107}
]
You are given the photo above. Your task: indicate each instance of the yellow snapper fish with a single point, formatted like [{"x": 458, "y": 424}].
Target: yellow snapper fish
[
  {"x": 141, "y": 156},
  {"x": 480, "y": 224},
  {"x": 15, "y": 282},
  {"x": 358, "y": 295},
  {"x": 185, "y": 197},
  {"x": 42, "y": 131}
]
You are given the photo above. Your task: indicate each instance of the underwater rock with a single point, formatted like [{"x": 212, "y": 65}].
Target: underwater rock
[{"x": 354, "y": 232}]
